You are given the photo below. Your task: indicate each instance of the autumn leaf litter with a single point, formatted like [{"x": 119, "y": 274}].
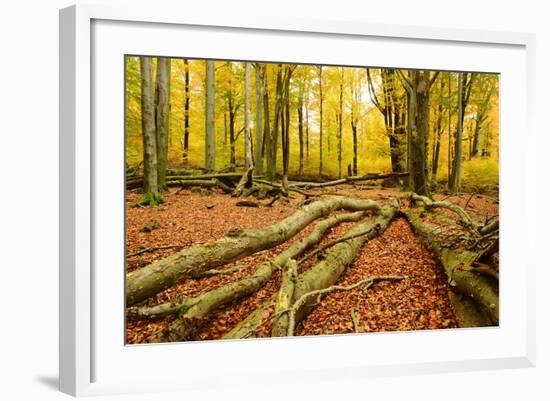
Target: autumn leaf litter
[{"x": 195, "y": 216}]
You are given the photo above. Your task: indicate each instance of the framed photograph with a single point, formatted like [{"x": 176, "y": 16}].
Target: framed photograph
[{"x": 278, "y": 199}]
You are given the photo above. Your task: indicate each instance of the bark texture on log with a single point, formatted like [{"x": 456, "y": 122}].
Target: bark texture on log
[
  {"x": 198, "y": 307},
  {"x": 285, "y": 296},
  {"x": 467, "y": 313},
  {"x": 368, "y": 177},
  {"x": 457, "y": 263},
  {"x": 322, "y": 275},
  {"x": 149, "y": 280},
  {"x": 327, "y": 272}
]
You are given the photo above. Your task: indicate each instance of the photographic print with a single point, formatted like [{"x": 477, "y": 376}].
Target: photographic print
[{"x": 268, "y": 199}]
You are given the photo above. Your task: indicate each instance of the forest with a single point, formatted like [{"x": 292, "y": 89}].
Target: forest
[{"x": 270, "y": 199}]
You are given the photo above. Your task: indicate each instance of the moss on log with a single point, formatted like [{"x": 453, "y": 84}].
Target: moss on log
[
  {"x": 285, "y": 296},
  {"x": 458, "y": 265},
  {"x": 194, "y": 309},
  {"x": 156, "y": 277},
  {"x": 322, "y": 275},
  {"x": 467, "y": 313}
]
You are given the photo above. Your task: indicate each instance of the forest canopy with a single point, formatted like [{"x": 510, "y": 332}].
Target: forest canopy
[{"x": 340, "y": 121}]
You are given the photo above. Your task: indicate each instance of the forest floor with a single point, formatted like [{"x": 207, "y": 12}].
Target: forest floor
[{"x": 190, "y": 217}]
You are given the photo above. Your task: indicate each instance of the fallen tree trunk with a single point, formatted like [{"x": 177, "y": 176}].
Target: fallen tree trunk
[
  {"x": 151, "y": 279},
  {"x": 322, "y": 275},
  {"x": 192, "y": 310},
  {"x": 458, "y": 264},
  {"x": 368, "y": 177},
  {"x": 327, "y": 272},
  {"x": 464, "y": 217},
  {"x": 285, "y": 296},
  {"x": 467, "y": 313},
  {"x": 137, "y": 181}
]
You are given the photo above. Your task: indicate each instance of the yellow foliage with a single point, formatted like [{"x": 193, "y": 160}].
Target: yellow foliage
[{"x": 480, "y": 174}]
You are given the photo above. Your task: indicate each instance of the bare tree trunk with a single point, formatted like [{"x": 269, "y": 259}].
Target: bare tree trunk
[
  {"x": 454, "y": 185},
  {"x": 210, "y": 145},
  {"x": 355, "y": 101},
  {"x": 449, "y": 117},
  {"x": 438, "y": 131},
  {"x": 162, "y": 113},
  {"x": 247, "y": 133},
  {"x": 300, "y": 110},
  {"x": 232, "y": 139},
  {"x": 340, "y": 112},
  {"x": 307, "y": 125},
  {"x": 258, "y": 163},
  {"x": 392, "y": 107},
  {"x": 320, "y": 121},
  {"x": 285, "y": 126},
  {"x": 418, "y": 89},
  {"x": 266, "y": 149},
  {"x": 422, "y": 125},
  {"x": 186, "y": 115},
  {"x": 272, "y": 151},
  {"x": 150, "y": 181},
  {"x": 149, "y": 280},
  {"x": 465, "y": 82}
]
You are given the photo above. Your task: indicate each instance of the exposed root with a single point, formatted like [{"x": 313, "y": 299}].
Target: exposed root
[{"x": 149, "y": 199}]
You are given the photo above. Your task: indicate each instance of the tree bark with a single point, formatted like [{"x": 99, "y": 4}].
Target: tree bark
[
  {"x": 300, "y": 111},
  {"x": 149, "y": 280},
  {"x": 465, "y": 81},
  {"x": 457, "y": 264},
  {"x": 247, "y": 134},
  {"x": 210, "y": 135},
  {"x": 186, "y": 114},
  {"x": 258, "y": 163},
  {"x": 150, "y": 172},
  {"x": 368, "y": 177},
  {"x": 274, "y": 135},
  {"x": 340, "y": 116},
  {"x": 162, "y": 113},
  {"x": 320, "y": 121},
  {"x": 195, "y": 309},
  {"x": 419, "y": 112},
  {"x": 321, "y": 275}
]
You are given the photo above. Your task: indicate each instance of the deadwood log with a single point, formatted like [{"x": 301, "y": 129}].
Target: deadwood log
[
  {"x": 194, "y": 309},
  {"x": 464, "y": 217},
  {"x": 244, "y": 183},
  {"x": 458, "y": 264},
  {"x": 368, "y": 177},
  {"x": 322, "y": 275},
  {"x": 467, "y": 312},
  {"x": 151, "y": 279},
  {"x": 137, "y": 181}
]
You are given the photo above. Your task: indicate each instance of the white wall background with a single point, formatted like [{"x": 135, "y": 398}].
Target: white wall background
[{"x": 29, "y": 196}]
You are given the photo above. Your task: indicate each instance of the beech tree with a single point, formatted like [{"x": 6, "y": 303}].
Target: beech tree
[
  {"x": 320, "y": 120},
  {"x": 247, "y": 134},
  {"x": 186, "y": 114},
  {"x": 150, "y": 171},
  {"x": 465, "y": 82},
  {"x": 210, "y": 136},
  {"x": 162, "y": 112},
  {"x": 258, "y": 162}
]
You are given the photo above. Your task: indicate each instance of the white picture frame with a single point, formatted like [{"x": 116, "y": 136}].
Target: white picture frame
[{"x": 92, "y": 38}]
